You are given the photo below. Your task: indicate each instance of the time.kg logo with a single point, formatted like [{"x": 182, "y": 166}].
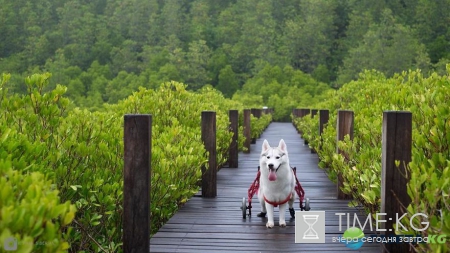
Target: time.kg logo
[{"x": 310, "y": 227}]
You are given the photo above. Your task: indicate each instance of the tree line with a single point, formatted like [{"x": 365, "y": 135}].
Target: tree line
[{"x": 103, "y": 50}]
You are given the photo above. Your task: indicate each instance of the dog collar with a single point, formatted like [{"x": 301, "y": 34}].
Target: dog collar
[{"x": 275, "y": 204}]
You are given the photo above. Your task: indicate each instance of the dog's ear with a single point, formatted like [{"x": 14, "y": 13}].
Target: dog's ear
[
  {"x": 282, "y": 146},
  {"x": 265, "y": 146}
]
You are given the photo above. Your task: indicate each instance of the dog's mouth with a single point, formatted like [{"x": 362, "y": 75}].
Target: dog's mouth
[{"x": 272, "y": 174}]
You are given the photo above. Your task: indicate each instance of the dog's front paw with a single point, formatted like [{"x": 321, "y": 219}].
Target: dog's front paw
[
  {"x": 269, "y": 224},
  {"x": 282, "y": 224}
]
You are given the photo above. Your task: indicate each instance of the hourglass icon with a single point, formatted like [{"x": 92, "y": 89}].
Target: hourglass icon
[{"x": 310, "y": 219}]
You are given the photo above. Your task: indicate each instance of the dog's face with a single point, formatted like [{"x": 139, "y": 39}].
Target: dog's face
[{"x": 273, "y": 158}]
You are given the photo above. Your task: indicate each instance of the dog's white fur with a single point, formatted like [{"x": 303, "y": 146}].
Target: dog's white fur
[{"x": 280, "y": 188}]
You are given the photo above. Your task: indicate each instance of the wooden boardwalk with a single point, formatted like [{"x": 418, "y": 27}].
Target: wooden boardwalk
[{"x": 216, "y": 225}]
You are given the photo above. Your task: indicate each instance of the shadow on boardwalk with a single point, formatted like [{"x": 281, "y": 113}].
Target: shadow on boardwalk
[{"x": 216, "y": 225}]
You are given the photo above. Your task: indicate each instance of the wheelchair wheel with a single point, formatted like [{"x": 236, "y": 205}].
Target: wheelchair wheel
[
  {"x": 307, "y": 206},
  {"x": 244, "y": 208}
]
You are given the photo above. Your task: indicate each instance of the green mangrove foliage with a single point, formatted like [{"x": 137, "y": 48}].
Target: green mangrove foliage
[
  {"x": 373, "y": 93},
  {"x": 78, "y": 150},
  {"x": 45, "y": 139},
  {"x": 33, "y": 217},
  {"x": 281, "y": 89}
]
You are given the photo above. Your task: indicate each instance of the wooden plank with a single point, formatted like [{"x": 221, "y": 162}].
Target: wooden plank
[
  {"x": 216, "y": 225},
  {"x": 282, "y": 242},
  {"x": 136, "y": 192}
]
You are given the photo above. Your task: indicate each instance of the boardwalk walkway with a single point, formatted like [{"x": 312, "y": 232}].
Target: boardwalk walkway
[{"x": 216, "y": 225}]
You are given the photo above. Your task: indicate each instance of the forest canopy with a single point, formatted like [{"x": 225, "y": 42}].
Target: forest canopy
[{"x": 104, "y": 50}]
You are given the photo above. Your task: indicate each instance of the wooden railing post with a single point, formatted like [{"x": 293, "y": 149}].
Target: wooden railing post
[
  {"x": 344, "y": 127},
  {"x": 396, "y": 146},
  {"x": 324, "y": 116},
  {"x": 136, "y": 184},
  {"x": 247, "y": 130},
  {"x": 300, "y": 113},
  {"x": 234, "y": 149},
  {"x": 313, "y": 114},
  {"x": 303, "y": 113},
  {"x": 256, "y": 112},
  {"x": 209, "y": 171},
  {"x": 295, "y": 114}
]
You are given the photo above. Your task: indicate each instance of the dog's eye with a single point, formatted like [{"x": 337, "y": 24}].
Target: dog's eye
[
  {"x": 277, "y": 157},
  {"x": 268, "y": 157}
]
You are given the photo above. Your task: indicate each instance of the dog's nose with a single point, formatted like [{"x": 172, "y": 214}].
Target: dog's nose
[{"x": 270, "y": 165}]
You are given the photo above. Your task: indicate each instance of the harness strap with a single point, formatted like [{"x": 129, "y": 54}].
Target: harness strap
[{"x": 275, "y": 204}]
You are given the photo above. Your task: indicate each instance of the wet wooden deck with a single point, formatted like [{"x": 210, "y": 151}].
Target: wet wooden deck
[{"x": 216, "y": 225}]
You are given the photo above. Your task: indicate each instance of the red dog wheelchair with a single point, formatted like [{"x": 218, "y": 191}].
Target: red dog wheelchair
[{"x": 254, "y": 187}]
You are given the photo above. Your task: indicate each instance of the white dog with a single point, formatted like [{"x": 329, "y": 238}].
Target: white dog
[{"x": 277, "y": 182}]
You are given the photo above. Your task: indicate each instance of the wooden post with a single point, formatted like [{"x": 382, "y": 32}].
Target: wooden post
[
  {"x": 136, "y": 184},
  {"x": 396, "y": 146},
  {"x": 344, "y": 127},
  {"x": 295, "y": 113},
  {"x": 209, "y": 172},
  {"x": 304, "y": 112},
  {"x": 234, "y": 149},
  {"x": 247, "y": 130},
  {"x": 324, "y": 116},
  {"x": 300, "y": 114},
  {"x": 256, "y": 112},
  {"x": 313, "y": 113}
]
